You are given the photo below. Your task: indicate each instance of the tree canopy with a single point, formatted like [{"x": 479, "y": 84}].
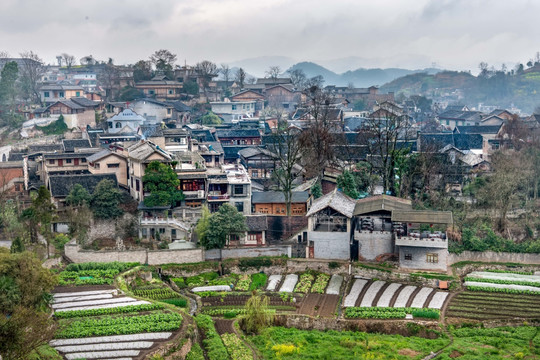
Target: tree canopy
[
  {"x": 225, "y": 222},
  {"x": 210, "y": 119},
  {"x": 161, "y": 181},
  {"x": 105, "y": 200},
  {"x": 78, "y": 196},
  {"x": 24, "y": 322},
  {"x": 347, "y": 184}
]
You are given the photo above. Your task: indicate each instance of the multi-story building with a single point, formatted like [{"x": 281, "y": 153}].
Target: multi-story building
[{"x": 229, "y": 184}]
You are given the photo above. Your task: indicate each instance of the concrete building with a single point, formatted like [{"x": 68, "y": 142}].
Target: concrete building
[
  {"x": 231, "y": 184},
  {"x": 126, "y": 120},
  {"x": 108, "y": 162}
]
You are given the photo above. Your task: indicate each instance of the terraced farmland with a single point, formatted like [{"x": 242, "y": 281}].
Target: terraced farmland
[
  {"x": 477, "y": 305},
  {"x": 380, "y": 294}
]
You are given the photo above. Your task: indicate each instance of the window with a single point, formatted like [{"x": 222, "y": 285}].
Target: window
[
  {"x": 447, "y": 122},
  {"x": 68, "y": 161},
  {"x": 238, "y": 189},
  {"x": 96, "y": 166},
  {"x": 118, "y": 125},
  {"x": 83, "y": 160},
  {"x": 169, "y": 111},
  {"x": 151, "y": 92},
  {"x": 408, "y": 256},
  {"x": 432, "y": 258},
  {"x": 111, "y": 166},
  {"x": 233, "y": 107},
  {"x": 46, "y": 94},
  {"x": 78, "y": 93},
  {"x": 254, "y": 173},
  {"x": 162, "y": 230},
  {"x": 144, "y": 232},
  {"x": 252, "y": 237},
  {"x": 51, "y": 162},
  {"x": 110, "y": 125},
  {"x": 170, "y": 92},
  {"x": 61, "y": 94},
  {"x": 137, "y": 185},
  {"x": 239, "y": 206}
]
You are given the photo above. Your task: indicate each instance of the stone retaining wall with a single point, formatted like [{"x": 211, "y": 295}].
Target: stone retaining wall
[
  {"x": 491, "y": 256},
  {"x": 150, "y": 257}
]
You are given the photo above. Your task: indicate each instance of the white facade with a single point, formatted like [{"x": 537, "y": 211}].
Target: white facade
[{"x": 126, "y": 118}]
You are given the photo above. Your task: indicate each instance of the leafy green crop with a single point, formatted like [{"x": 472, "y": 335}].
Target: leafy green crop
[
  {"x": 156, "y": 294},
  {"x": 320, "y": 283},
  {"x": 107, "y": 311},
  {"x": 389, "y": 313},
  {"x": 215, "y": 349},
  {"x": 304, "y": 283},
  {"x": 502, "y": 290},
  {"x": 503, "y": 281}
]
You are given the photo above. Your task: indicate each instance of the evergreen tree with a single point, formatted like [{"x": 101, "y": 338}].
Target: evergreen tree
[
  {"x": 221, "y": 225},
  {"x": 105, "y": 200},
  {"x": 347, "y": 184},
  {"x": 161, "y": 181}
]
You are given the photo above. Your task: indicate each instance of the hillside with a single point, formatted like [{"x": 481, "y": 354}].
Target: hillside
[
  {"x": 359, "y": 77},
  {"x": 496, "y": 89}
]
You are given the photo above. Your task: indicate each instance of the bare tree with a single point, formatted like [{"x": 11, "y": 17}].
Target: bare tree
[
  {"x": 316, "y": 81},
  {"x": 226, "y": 72},
  {"x": 109, "y": 80},
  {"x": 241, "y": 77},
  {"x": 380, "y": 133},
  {"x": 273, "y": 73},
  {"x": 251, "y": 80},
  {"x": 164, "y": 61},
  {"x": 319, "y": 137},
  {"x": 88, "y": 60},
  {"x": 286, "y": 146},
  {"x": 298, "y": 78},
  {"x": 69, "y": 60},
  {"x": 207, "y": 70},
  {"x": 4, "y": 54},
  {"x": 31, "y": 71}
]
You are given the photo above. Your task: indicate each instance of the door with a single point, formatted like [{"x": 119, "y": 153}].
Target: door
[
  {"x": 60, "y": 162},
  {"x": 76, "y": 162},
  {"x": 354, "y": 250}
]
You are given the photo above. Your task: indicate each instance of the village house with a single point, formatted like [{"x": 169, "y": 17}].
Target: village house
[
  {"x": 63, "y": 164},
  {"x": 239, "y": 136},
  {"x": 61, "y": 185},
  {"x": 234, "y": 110},
  {"x": 255, "y": 235},
  {"x": 12, "y": 178},
  {"x": 127, "y": 120},
  {"x": 161, "y": 88},
  {"x": 273, "y": 203},
  {"x": 53, "y": 93},
  {"x": 453, "y": 118},
  {"x": 282, "y": 96},
  {"x": 229, "y": 184},
  {"x": 109, "y": 162},
  {"x": 139, "y": 156}
]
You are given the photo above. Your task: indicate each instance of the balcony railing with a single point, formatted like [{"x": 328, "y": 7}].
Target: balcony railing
[
  {"x": 172, "y": 222},
  {"x": 430, "y": 242},
  {"x": 218, "y": 196},
  {"x": 199, "y": 194}
]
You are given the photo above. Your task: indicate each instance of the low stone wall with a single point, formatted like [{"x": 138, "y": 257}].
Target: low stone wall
[
  {"x": 157, "y": 257},
  {"x": 233, "y": 253},
  {"x": 491, "y": 256}
]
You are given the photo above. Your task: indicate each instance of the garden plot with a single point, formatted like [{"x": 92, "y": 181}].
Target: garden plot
[
  {"x": 289, "y": 283},
  {"x": 82, "y": 304},
  {"x": 334, "y": 285},
  {"x": 104, "y": 306},
  {"x": 404, "y": 295},
  {"x": 356, "y": 289},
  {"x": 371, "y": 293},
  {"x": 386, "y": 297},
  {"x": 437, "y": 300},
  {"x": 502, "y": 287},
  {"x": 81, "y": 298},
  {"x": 84, "y": 293},
  {"x": 421, "y": 297},
  {"x": 505, "y": 276},
  {"x": 273, "y": 282},
  {"x": 111, "y": 339},
  {"x": 211, "y": 288}
]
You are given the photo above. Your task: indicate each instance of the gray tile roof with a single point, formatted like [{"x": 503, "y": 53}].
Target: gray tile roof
[
  {"x": 257, "y": 222},
  {"x": 61, "y": 185},
  {"x": 237, "y": 133},
  {"x": 82, "y": 101},
  {"x": 69, "y": 145},
  {"x": 277, "y": 197},
  {"x": 335, "y": 200}
]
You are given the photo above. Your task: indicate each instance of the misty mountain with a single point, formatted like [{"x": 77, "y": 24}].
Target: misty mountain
[
  {"x": 359, "y": 77},
  {"x": 259, "y": 65}
]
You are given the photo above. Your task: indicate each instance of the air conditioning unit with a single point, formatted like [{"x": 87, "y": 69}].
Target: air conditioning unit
[{"x": 200, "y": 194}]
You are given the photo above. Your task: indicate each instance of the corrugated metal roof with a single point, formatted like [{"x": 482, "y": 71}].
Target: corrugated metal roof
[
  {"x": 381, "y": 202},
  {"x": 423, "y": 216},
  {"x": 277, "y": 197}
]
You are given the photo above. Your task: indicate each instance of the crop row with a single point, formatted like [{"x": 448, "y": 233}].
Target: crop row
[
  {"x": 243, "y": 283},
  {"x": 108, "y": 311},
  {"x": 389, "y": 313},
  {"x": 156, "y": 294},
  {"x": 503, "y": 281},
  {"x": 510, "y": 272},
  {"x": 236, "y": 348},
  {"x": 235, "y": 311},
  {"x": 304, "y": 283},
  {"x": 180, "y": 302},
  {"x": 90, "y": 281},
  {"x": 108, "y": 273},
  {"x": 215, "y": 349},
  {"x": 120, "y": 325},
  {"x": 101, "y": 266},
  {"x": 501, "y": 290},
  {"x": 320, "y": 283}
]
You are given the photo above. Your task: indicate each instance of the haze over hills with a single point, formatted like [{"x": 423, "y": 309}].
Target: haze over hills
[{"x": 339, "y": 72}]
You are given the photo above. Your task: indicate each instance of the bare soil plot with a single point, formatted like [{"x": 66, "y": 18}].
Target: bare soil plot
[{"x": 319, "y": 305}]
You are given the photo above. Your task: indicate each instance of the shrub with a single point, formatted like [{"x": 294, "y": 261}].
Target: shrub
[
  {"x": 259, "y": 262},
  {"x": 258, "y": 281},
  {"x": 180, "y": 302},
  {"x": 195, "y": 353},
  {"x": 333, "y": 265}
]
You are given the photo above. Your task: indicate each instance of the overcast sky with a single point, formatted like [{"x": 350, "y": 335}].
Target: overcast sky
[{"x": 455, "y": 34}]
